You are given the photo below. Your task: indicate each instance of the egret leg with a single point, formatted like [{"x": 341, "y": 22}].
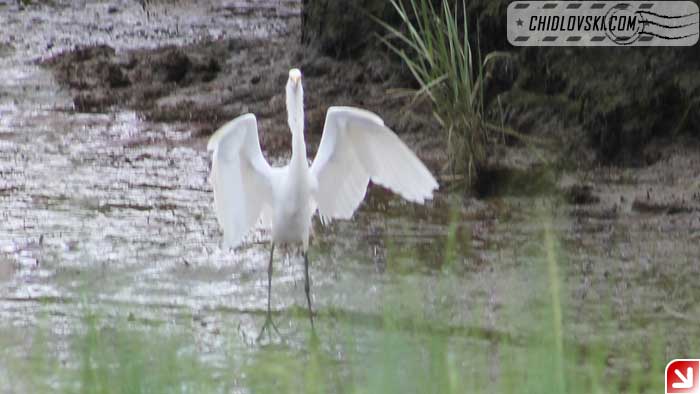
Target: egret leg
[
  {"x": 269, "y": 280},
  {"x": 268, "y": 318},
  {"x": 307, "y": 288}
]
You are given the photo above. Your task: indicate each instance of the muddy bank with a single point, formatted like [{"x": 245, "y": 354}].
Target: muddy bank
[
  {"x": 609, "y": 105},
  {"x": 208, "y": 83}
]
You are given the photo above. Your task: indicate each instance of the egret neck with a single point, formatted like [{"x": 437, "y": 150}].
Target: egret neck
[{"x": 295, "y": 118}]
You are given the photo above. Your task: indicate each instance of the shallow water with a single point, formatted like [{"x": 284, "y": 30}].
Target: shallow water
[{"x": 112, "y": 213}]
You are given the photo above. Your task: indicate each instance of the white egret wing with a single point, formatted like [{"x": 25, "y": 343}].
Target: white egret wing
[
  {"x": 355, "y": 147},
  {"x": 240, "y": 176}
]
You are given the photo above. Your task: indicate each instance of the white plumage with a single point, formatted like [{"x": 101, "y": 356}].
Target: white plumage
[{"x": 356, "y": 147}]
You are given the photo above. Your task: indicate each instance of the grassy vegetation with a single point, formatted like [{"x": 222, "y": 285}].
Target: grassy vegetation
[
  {"x": 411, "y": 347},
  {"x": 401, "y": 361},
  {"x": 433, "y": 43}
]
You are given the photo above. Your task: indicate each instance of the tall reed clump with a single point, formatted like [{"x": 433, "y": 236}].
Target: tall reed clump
[{"x": 434, "y": 45}]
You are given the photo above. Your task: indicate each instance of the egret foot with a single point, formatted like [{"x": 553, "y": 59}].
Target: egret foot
[
  {"x": 268, "y": 318},
  {"x": 266, "y": 327}
]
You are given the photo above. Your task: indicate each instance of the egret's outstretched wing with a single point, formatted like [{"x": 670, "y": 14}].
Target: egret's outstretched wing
[
  {"x": 240, "y": 176},
  {"x": 356, "y": 147}
]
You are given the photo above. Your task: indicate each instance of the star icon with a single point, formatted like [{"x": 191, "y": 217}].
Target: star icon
[{"x": 519, "y": 22}]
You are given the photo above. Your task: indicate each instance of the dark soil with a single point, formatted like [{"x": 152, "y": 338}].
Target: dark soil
[
  {"x": 209, "y": 83},
  {"x": 607, "y": 105}
]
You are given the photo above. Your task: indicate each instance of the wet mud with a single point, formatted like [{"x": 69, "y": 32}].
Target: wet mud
[
  {"x": 104, "y": 201},
  {"x": 210, "y": 82}
]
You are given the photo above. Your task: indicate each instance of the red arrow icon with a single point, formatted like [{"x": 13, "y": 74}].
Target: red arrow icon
[{"x": 683, "y": 376}]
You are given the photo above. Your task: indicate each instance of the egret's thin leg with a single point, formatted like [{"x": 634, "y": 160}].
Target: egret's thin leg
[
  {"x": 307, "y": 288},
  {"x": 269, "y": 280},
  {"x": 268, "y": 318}
]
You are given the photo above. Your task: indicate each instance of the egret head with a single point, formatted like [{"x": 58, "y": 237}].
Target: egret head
[
  {"x": 295, "y": 76},
  {"x": 295, "y": 101}
]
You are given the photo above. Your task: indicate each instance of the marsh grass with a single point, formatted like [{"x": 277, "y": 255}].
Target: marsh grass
[
  {"x": 433, "y": 43},
  {"x": 121, "y": 360},
  {"x": 411, "y": 348},
  {"x": 415, "y": 357}
]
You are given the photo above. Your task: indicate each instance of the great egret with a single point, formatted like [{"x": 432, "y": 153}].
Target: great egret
[{"x": 355, "y": 147}]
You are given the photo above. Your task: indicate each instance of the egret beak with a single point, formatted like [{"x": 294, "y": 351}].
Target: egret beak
[{"x": 295, "y": 79}]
